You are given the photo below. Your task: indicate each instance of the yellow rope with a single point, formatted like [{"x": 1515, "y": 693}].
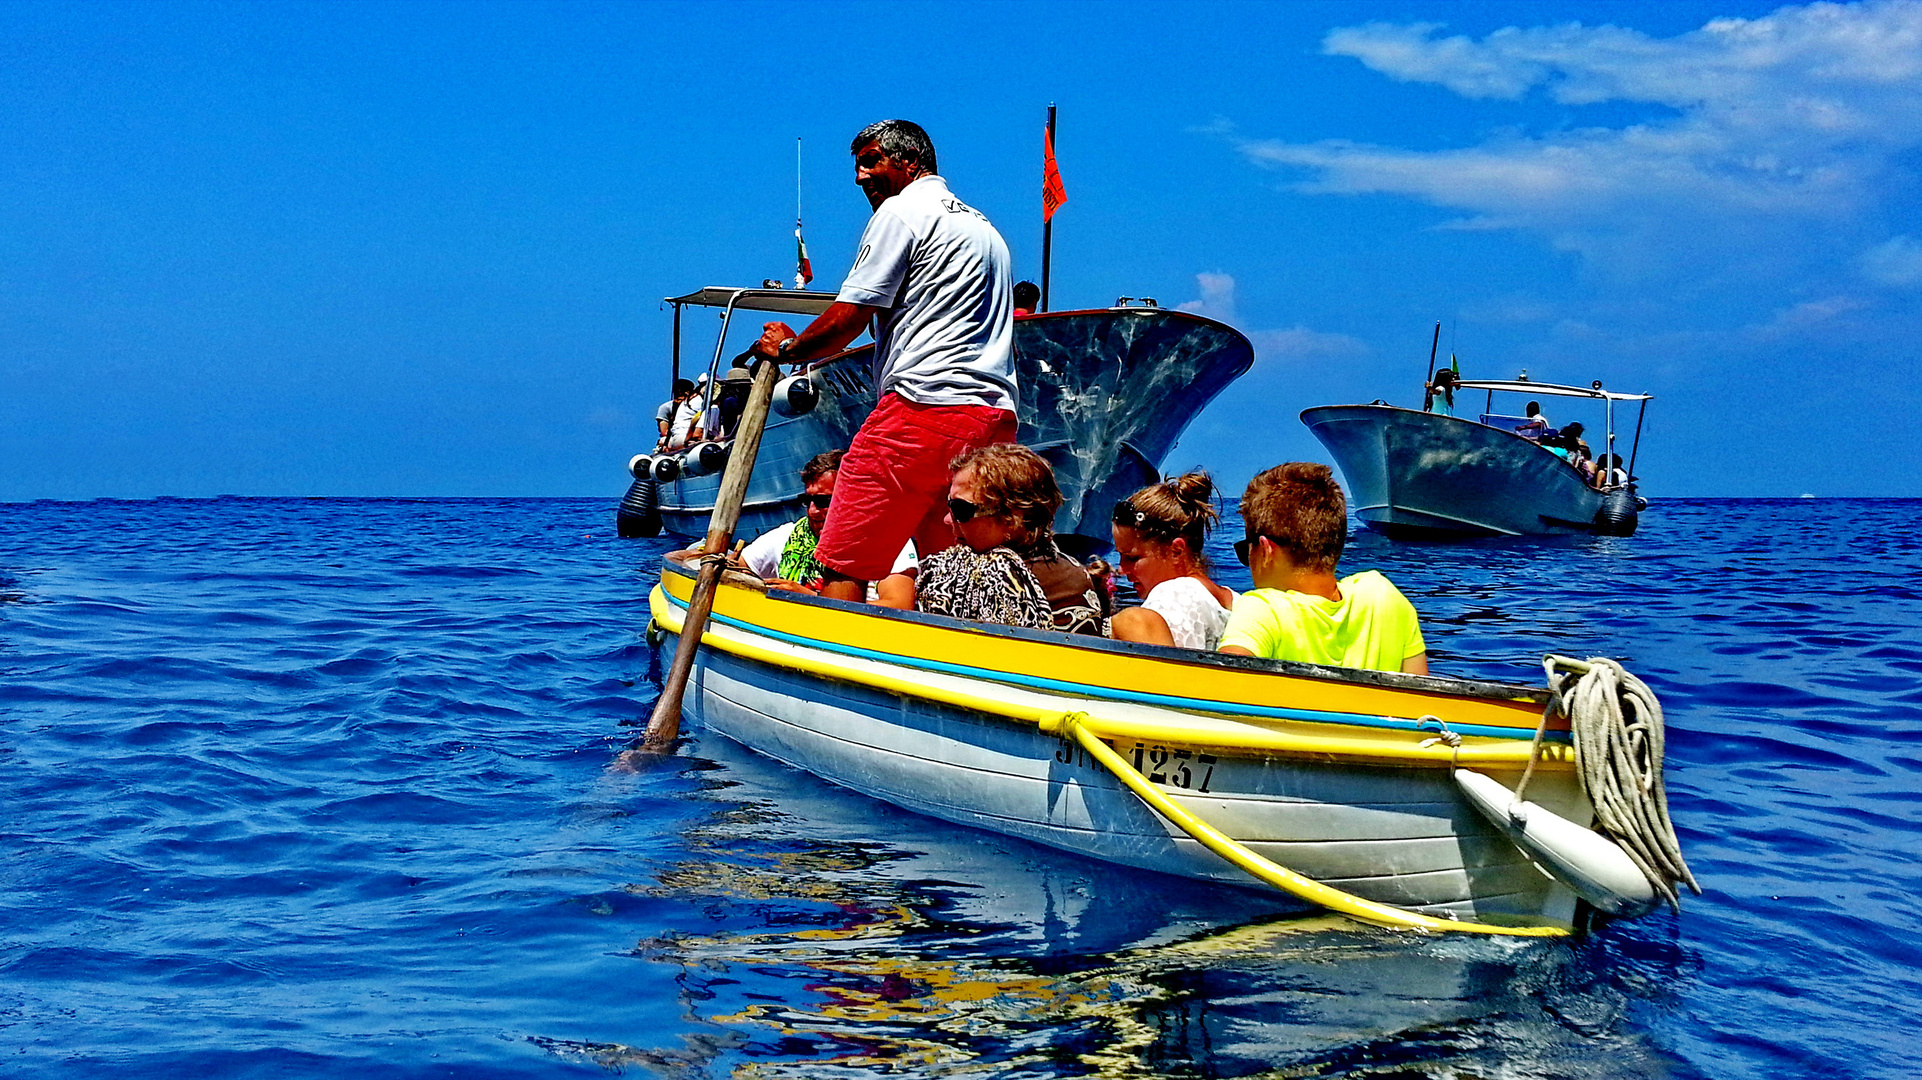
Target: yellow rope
[{"x": 1077, "y": 725}]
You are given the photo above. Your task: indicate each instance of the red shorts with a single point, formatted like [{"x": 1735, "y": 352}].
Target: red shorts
[{"x": 893, "y": 483}]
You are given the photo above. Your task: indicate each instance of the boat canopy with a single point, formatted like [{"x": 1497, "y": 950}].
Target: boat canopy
[
  {"x": 1523, "y": 386},
  {"x": 782, "y": 301}
]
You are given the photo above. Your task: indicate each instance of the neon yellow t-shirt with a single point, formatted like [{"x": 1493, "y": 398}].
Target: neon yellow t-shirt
[{"x": 1372, "y": 626}]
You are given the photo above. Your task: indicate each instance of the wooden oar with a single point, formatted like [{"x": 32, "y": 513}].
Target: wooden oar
[{"x": 665, "y": 726}]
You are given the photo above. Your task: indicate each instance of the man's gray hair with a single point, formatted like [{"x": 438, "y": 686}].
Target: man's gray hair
[{"x": 902, "y": 140}]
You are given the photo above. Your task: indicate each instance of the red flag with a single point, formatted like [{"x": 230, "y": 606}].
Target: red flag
[{"x": 1053, "y": 194}]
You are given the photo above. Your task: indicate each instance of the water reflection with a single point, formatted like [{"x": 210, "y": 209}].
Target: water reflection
[{"x": 945, "y": 951}]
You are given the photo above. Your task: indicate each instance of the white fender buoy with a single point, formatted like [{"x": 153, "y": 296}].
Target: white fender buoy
[
  {"x": 641, "y": 467},
  {"x": 666, "y": 469},
  {"x": 1597, "y": 869},
  {"x": 795, "y": 395}
]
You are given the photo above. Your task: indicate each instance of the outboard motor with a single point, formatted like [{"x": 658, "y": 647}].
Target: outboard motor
[
  {"x": 704, "y": 459},
  {"x": 1618, "y": 515},
  {"x": 640, "y": 511},
  {"x": 666, "y": 469},
  {"x": 796, "y": 395}
]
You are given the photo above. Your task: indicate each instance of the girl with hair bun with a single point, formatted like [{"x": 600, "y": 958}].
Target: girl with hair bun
[{"x": 1158, "y": 536}]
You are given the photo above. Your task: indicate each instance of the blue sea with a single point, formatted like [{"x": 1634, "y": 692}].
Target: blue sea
[{"x": 330, "y": 788}]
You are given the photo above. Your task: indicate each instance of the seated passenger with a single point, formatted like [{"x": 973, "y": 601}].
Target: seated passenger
[
  {"x": 1611, "y": 474},
  {"x": 1027, "y": 297},
  {"x": 1006, "y": 568},
  {"x": 1297, "y": 524},
  {"x": 1537, "y": 425},
  {"x": 664, "y": 416},
  {"x": 1439, "y": 396},
  {"x": 784, "y": 557},
  {"x": 1158, "y": 536},
  {"x": 687, "y": 419}
]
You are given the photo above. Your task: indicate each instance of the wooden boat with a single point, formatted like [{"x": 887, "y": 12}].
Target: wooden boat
[
  {"x": 1425, "y": 475},
  {"x": 1105, "y": 393},
  {"x": 1344, "y": 787}
]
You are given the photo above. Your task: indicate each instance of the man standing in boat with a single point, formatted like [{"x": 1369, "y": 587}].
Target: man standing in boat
[{"x": 933, "y": 280}]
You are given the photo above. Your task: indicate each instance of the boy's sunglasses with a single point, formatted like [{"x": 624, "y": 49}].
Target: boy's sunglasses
[
  {"x": 962, "y": 511},
  {"x": 819, "y": 502},
  {"x": 1243, "y": 548}
]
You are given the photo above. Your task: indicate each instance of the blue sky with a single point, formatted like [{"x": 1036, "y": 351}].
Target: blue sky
[{"x": 418, "y": 249}]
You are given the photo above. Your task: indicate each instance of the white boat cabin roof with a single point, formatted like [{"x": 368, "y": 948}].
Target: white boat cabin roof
[
  {"x": 1523, "y": 386},
  {"x": 781, "y": 301}
]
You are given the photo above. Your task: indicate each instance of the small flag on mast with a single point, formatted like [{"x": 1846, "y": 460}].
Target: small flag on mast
[{"x": 1053, "y": 194}]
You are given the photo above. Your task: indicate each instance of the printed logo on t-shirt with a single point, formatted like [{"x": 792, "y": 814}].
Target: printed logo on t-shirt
[
  {"x": 956, "y": 206},
  {"x": 863, "y": 257}
]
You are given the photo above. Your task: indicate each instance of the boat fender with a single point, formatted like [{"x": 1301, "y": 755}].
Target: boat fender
[
  {"x": 796, "y": 395},
  {"x": 641, "y": 467},
  {"x": 1618, "y": 516},
  {"x": 666, "y": 469},
  {"x": 1597, "y": 869},
  {"x": 640, "y": 511},
  {"x": 704, "y": 459}
]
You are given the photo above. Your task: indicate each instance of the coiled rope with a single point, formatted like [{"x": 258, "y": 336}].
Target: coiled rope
[{"x": 1617, "y": 729}]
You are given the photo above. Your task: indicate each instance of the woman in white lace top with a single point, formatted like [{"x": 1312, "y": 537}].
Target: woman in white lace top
[{"x": 1158, "y": 537}]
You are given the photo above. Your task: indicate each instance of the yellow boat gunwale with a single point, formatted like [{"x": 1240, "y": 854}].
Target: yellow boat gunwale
[{"x": 1495, "y": 720}]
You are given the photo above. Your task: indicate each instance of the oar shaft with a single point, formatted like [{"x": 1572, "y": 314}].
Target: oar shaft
[{"x": 665, "y": 725}]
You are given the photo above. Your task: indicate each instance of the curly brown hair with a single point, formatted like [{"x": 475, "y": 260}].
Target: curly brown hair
[
  {"x": 1300, "y": 507},
  {"x": 1016, "y": 483}
]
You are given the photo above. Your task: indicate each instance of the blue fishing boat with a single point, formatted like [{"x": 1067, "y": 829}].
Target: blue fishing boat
[
  {"x": 1426, "y": 474},
  {"x": 1105, "y": 394}
]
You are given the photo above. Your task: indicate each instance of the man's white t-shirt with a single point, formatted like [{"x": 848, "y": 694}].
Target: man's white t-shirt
[
  {"x": 763, "y": 556},
  {"x": 942, "y": 273}
]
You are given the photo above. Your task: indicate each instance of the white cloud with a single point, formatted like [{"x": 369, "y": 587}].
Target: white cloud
[
  {"x": 1301, "y": 343},
  {"x": 1789, "y": 121},
  {"x": 1897, "y": 262},
  {"x": 1217, "y": 301},
  {"x": 1217, "y": 297}
]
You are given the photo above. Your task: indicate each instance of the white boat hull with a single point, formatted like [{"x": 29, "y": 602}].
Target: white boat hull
[{"x": 1396, "y": 835}]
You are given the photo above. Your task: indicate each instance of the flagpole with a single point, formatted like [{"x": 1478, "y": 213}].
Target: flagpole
[
  {"x": 1047, "y": 227},
  {"x": 800, "y": 275}
]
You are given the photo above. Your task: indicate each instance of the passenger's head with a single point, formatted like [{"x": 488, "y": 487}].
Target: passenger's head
[
  {"x": 817, "y": 481},
  {"x": 1445, "y": 377},
  {"x": 1027, "y": 297},
  {"x": 888, "y": 156},
  {"x": 1159, "y": 531},
  {"x": 1298, "y": 508},
  {"x": 1534, "y": 408},
  {"x": 1572, "y": 430},
  {"x": 683, "y": 388},
  {"x": 1001, "y": 494}
]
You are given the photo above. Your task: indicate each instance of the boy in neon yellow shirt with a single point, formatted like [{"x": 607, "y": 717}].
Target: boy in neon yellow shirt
[{"x": 1297, "y": 523}]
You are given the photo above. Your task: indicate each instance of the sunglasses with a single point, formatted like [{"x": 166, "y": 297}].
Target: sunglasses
[
  {"x": 1243, "y": 548},
  {"x": 1126, "y": 515},
  {"x": 819, "y": 502},
  {"x": 962, "y": 510}
]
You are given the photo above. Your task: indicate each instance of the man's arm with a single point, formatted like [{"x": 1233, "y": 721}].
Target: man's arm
[
  {"x": 1416, "y": 664},
  {"x": 838, "y": 326}
]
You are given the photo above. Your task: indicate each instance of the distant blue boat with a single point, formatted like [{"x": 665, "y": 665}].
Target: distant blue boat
[
  {"x": 1105, "y": 394},
  {"x": 1426, "y": 475}
]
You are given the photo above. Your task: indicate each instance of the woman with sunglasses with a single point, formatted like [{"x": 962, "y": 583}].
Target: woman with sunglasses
[
  {"x": 784, "y": 557},
  {"x": 1158, "y": 536},
  {"x": 1006, "y": 568}
]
